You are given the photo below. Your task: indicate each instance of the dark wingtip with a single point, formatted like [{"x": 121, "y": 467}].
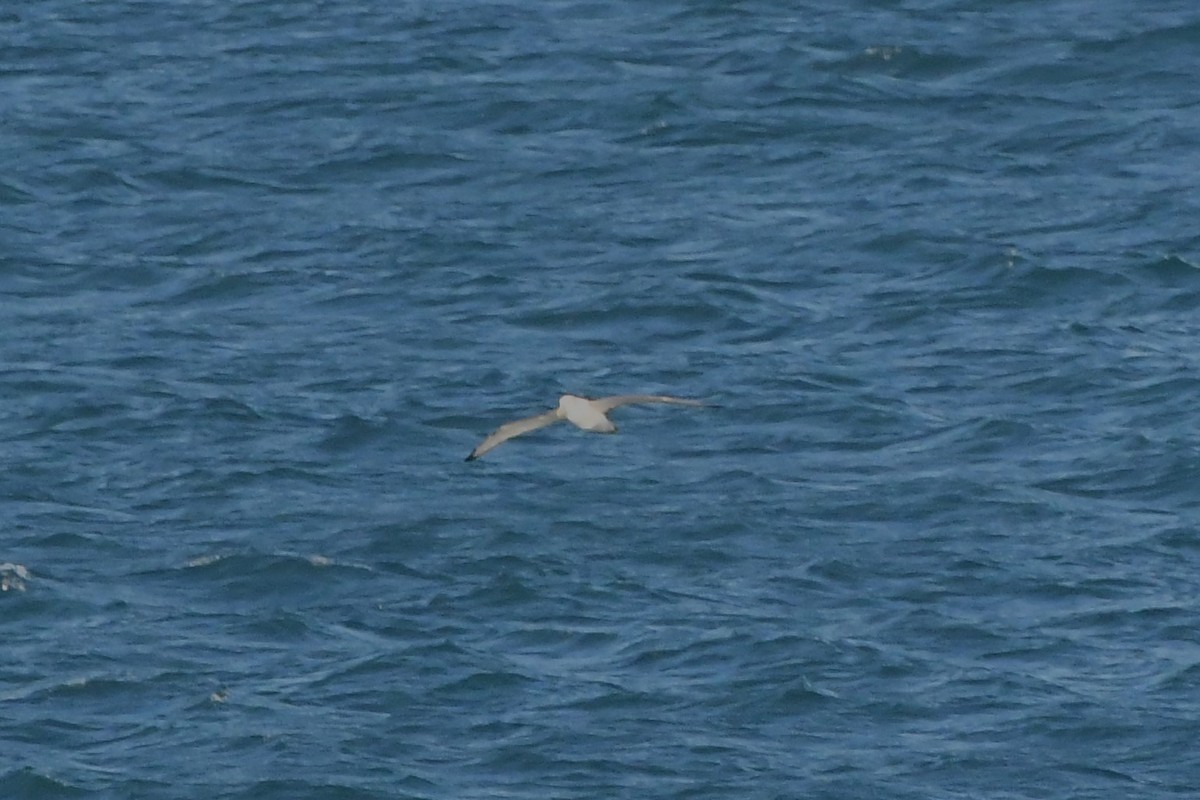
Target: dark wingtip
[{"x": 471, "y": 457}]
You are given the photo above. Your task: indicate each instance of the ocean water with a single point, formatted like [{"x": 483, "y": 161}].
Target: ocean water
[{"x": 269, "y": 271}]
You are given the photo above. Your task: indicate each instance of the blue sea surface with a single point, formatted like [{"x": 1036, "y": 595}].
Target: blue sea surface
[{"x": 269, "y": 271}]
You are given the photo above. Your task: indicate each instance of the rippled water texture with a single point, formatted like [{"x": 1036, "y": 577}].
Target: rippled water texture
[{"x": 269, "y": 271}]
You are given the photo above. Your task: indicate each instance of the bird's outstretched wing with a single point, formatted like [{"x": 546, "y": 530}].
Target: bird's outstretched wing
[
  {"x": 606, "y": 404},
  {"x": 510, "y": 429}
]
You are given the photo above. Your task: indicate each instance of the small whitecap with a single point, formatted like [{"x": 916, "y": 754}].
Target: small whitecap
[
  {"x": 13, "y": 577},
  {"x": 203, "y": 561}
]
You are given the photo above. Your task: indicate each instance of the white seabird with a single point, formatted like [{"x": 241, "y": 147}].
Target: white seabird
[{"x": 589, "y": 415}]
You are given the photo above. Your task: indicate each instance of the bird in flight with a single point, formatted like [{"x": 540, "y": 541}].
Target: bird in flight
[{"x": 589, "y": 415}]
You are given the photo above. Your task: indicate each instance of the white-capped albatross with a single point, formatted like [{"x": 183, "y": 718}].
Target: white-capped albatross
[{"x": 589, "y": 415}]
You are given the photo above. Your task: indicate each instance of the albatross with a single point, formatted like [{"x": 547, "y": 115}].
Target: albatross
[{"x": 583, "y": 413}]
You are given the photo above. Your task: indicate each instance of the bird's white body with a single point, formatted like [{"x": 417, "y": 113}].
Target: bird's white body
[
  {"x": 584, "y": 413},
  {"x": 589, "y": 415}
]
